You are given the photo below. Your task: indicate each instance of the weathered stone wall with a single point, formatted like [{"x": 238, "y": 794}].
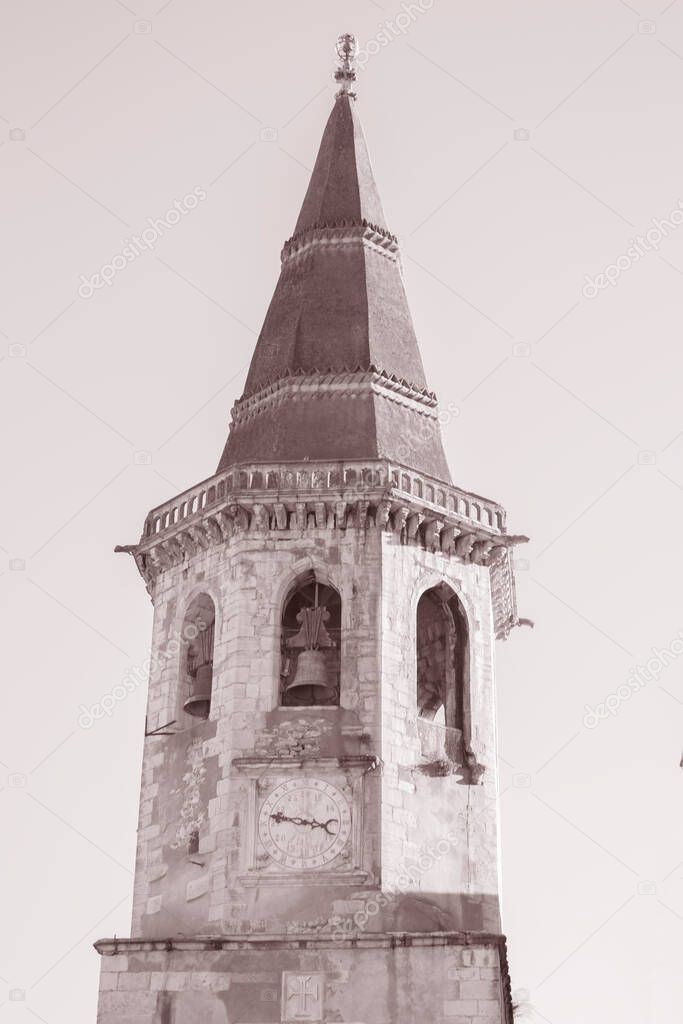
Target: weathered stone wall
[
  {"x": 433, "y": 979},
  {"x": 439, "y": 832},
  {"x": 248, "y": 579},
  {"x": 426, "y": 841}
]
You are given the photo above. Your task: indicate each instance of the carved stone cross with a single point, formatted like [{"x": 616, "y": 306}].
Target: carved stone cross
[{"x": 302, "y": 997}]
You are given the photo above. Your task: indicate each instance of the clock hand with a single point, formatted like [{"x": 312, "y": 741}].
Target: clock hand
[
  {"x": 324, "y": 825},
  {"x": 279, "y": 817}
]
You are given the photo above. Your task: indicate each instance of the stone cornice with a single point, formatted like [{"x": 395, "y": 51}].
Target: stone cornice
[
  {"x": 257, "y": 764},
  {"x": 251, "y": 502},
  {"x": 320, "y": 384},
  {"x": 368, "y": 940}
]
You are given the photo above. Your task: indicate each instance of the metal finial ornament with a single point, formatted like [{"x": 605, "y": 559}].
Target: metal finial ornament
[{"x": 345, "y": 74}]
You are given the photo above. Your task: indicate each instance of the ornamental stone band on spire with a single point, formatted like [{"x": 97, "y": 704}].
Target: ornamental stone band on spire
[{"x": 318, "y": 831}]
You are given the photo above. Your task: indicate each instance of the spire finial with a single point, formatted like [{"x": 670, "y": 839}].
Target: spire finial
[{"x": 345, "y": 75}]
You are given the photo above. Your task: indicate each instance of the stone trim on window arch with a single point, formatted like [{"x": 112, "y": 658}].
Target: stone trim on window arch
[{"x": 288, "y": 577}]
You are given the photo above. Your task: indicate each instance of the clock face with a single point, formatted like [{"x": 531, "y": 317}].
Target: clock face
[{"x": 305, "y": 823}]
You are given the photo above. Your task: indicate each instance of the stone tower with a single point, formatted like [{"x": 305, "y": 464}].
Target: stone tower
[{"x": 318, "y": 831}]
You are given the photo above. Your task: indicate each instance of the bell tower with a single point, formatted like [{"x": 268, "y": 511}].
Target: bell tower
[{"x": 318, "y": 830}]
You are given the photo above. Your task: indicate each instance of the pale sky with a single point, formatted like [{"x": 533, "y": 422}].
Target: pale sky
[{"x": 518, "y": 147}]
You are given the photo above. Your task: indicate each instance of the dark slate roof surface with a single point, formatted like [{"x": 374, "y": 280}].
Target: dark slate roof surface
[{"x": 337, "y": 306}]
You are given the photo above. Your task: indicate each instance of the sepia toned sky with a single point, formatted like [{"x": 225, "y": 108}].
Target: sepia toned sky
[{"x": 529, "y": 156}]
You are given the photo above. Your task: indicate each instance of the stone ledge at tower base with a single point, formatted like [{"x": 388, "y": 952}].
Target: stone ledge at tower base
[{"x": 385, "y": 978}]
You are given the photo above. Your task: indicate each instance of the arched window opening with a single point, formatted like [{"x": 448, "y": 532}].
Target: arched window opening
[
  {"x": 198, "y": 637},
  {"x": 310, "y": 645},
  {"x": 443, "y": 672}
]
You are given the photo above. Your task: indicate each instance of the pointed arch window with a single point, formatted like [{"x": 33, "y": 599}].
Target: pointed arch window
[
  {"x": 197, "y": 665},
  {"x": 310, "y": 644}
]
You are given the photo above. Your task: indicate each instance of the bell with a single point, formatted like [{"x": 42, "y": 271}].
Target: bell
[
  {"x": 311, "y": 681},
  {"x": 198, "y": 703}
]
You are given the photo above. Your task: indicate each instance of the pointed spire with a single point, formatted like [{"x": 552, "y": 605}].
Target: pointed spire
[
  {"x": 339, "y": 303},
  {"x": 342, "y": 187}
]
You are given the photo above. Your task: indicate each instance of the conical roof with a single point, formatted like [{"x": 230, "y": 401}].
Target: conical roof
[{"x": 337, "y": 373}]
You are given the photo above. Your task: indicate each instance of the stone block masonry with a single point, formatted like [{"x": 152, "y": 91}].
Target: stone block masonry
[
  {"x": 407, "y": 817},
  {"x": 444, "y": 978}
]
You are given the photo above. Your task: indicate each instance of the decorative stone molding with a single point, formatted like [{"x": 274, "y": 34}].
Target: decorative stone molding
[
  {"x": 318, "y": 384},
  {"x": 338, "y": 233},
  {"x": 262, "y": 499},
  {"x": 369, "y": 940}
]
